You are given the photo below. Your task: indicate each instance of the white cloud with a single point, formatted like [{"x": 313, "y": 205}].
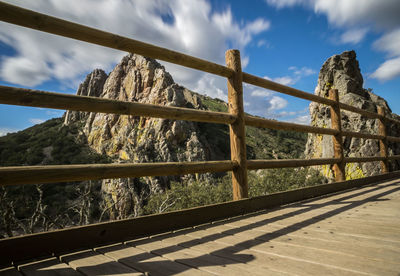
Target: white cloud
[
  {"x": 261, "y": 93},
  {"x": 303, "y": 119},
  {"x": 276, "y": 103},
  {"x": 353, "y": 36},
  {"x": 212, "y": 86},
  {"x": 356, "y": 18},
  {"x": 4, "y": 131},
  {"x": 190, "y": 28},
  {"x": 284, "y": 3},
  {"x": 389, "y": 43},
  {"x": 286, "y": 80},
  {"x": 388, "y": 70},
  {"x": 302, "y": 72},
  {"x": 36, "y": 121}
]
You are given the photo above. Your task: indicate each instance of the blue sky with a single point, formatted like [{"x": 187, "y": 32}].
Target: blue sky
[{"x": 283, "y": 40}]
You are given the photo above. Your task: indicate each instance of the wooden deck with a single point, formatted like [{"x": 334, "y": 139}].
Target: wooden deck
[{"x": 351, "y": 233}]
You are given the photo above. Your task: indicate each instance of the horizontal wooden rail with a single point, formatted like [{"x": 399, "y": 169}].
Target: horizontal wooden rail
[
  {"x": 267, "y": 123},
  {"x": 261, "y": 82},
  {"x": 392, "y": 120},
  {"x": 45, "y": 23},
  {"x": 363, "y": 159},
  {"x": 393, "y": 157},
  {"x": 393, "y": 139},
  {"x": 361, "y": 135},
  {"x": 63, "y": 173},
  {"x": 26, "y": 247},
  {"x": 27, "y": 97},
  {"x": 368, "y": 114},
  {"x": 288, "y": 163}
]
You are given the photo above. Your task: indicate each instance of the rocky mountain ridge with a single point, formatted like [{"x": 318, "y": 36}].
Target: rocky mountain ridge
[
  {"x": 141, "y": 139},
  {"x": 342, "y": 72}
]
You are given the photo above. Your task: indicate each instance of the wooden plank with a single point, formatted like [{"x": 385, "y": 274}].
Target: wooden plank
[
  {"x": 339, "y": 167},
  {"x": 147, "y": 262},
  {"x": 237, "y": 132},
  {"x": 393, "y": 139},
  {"x": 366, "y": 113},
  {"x": 62, "y": 173},
  {"x": 361, "y": 135},
  {"x": 36, "y": 98},
  {"x": 91, "y": 263},
  {"x": 273, "y": 124},
  {"x": 392, "y": 120},
  {"x": 50, "y": 266},
  {"x": 394, "y": 157},
  {"x": 377, "y": 252},
  {"x": 9, "y": 271},
  {"x": 288, "y": 163},
  {"x": 363, "y": 159},
  {"x": 261, "y": 82},
  {"x": 35, "y": 245},
  {"x": 262, "y": 260},
  {"x": 41, "y": 22},
  {"x": 219, "y": 265}
]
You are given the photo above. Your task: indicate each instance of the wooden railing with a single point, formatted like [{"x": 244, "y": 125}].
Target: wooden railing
[
  {"x": 236, "y": 118},
  {"x": 29, "y": 246}
]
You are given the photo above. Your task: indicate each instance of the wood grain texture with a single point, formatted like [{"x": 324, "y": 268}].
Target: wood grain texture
[
  {"x": 273, "y": 124},
  {"x": 261, "y": 82},
  {"x": 237, "y": 128},
  {"x": 393, "y": 139},
  {"x": 394, "y": 157},
  {"x": 383, "y": 147},
  {"x": 366, "y": 113},
  {"x": 363, "y": 159},
  {"x": 38, "y": 21},
  {"x": 63, "y": 173},
  {"x": 35, "y": 98},
  {"x": 339, "y": 167},
  {"x": 361, "y": 135},
  {"x": 74, "y": 238},
  {"x": 288, "y": 163}
]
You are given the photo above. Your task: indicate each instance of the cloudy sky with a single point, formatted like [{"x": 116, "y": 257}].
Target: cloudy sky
[{"x": 283, "y": 40}]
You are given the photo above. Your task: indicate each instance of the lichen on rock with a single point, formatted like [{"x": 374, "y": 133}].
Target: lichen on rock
[
  {"x": 342, "y": 72},
  {"x": 136, "y": 139}
]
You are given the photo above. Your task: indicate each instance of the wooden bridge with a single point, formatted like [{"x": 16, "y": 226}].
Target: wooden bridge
[{"x": 304, "y": 231}]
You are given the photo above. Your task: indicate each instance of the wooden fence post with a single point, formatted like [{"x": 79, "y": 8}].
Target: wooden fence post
[
  {"x": 383, "y": 143},
  {"x": 338, "y": 168},
  {"x": 237, "y": 128}
]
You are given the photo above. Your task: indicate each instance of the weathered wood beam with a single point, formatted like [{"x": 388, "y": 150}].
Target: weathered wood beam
[
  {"x": 273, "y": 124},
  {"x": 288, "y": 163},
  {"x": 62, "y": 173},
  {"x": 35, "y": 98},
  {"x": 237, "y": 129},
  {"x": 339, "y": 167}
]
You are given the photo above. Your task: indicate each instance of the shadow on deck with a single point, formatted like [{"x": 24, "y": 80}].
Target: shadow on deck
[{"x": 349, "y": 233}]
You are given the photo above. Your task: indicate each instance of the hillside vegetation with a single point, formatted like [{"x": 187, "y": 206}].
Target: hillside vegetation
[{"x": 52, "y": 206}]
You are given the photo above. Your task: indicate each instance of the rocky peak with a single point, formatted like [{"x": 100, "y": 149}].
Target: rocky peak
[
  {"x": 139, "y": 139},
  {"x": 342, "y": 72},
  {"x": 93, "y": 87}
]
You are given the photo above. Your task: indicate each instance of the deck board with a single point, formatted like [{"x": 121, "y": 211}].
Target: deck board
[{"x": 356, "y": 232}]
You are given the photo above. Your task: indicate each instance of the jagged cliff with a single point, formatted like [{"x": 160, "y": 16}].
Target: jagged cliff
[
  {"x": 342, "y": 72},
  {"x": 140, "y": 139}
]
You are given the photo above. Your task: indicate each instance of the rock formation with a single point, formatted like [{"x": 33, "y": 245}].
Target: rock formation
[
  {"x": 342, "y": 72},
  {"x": 140, "y": 139}
]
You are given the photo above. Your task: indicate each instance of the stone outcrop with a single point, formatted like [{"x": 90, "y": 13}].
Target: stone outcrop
[
  {"x": 342, "y": 72},
  {"x": 140, "y": 139}
]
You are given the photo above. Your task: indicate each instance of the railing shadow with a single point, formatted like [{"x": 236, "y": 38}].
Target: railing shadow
[{"x": 169, "y": 258}]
